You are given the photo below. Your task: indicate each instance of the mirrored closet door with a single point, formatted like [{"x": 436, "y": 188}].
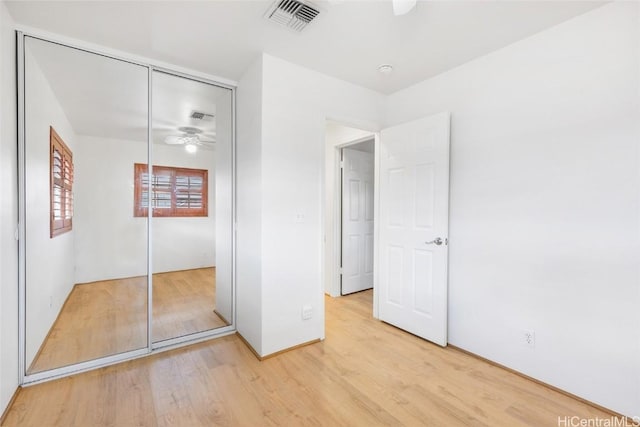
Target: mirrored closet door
[
  {"x": 191, "y": 202},
  {"x": 85, "y": 121},
  {"x": 125, "y": 170}
]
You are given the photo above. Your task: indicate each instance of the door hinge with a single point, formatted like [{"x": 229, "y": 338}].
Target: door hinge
[
  {"x": 341, "y": 164},
  {"x": 16, "y": 233},
  {"x": 340, "y": 271}
]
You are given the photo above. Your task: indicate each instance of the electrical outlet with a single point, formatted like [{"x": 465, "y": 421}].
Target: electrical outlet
[
  {"x": 529, "y": 338},
  {"x": 307, "y": 312}
]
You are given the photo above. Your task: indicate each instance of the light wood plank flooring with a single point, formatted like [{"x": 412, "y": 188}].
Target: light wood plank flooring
[
  {"x": 365, "y": 373},
  {"x": 110, "y": 317}
]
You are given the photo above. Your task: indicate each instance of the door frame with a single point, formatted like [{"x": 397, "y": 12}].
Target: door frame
[{"x": 335, "y": 251}]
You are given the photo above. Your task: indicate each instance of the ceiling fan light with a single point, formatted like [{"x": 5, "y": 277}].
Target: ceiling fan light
[
  {"x": 191, "y": 148},
  {"x": 189, "y": 139},
  {"x": 385, "y": 69},
  {"x": 401, "y": 7}
]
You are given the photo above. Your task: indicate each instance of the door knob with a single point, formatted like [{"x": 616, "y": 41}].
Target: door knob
[{"x": 436, "y": 241}]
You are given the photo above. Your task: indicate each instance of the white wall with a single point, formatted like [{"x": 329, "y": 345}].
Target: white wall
[
  {"x": 340, "y": 133},
  {"x": 49, "y": 261},
  {"x": 545, "y": 195},
  {"x": 336, "y": 134},
  {"x": 249, "y": 206},
  {"x": 295, "y": 105},
  {"x": 110, "y": 242},
  {"x": 222, "y": 205},
  {"x": 544, "y": 201},
  {"x": 8, "y": 214}
]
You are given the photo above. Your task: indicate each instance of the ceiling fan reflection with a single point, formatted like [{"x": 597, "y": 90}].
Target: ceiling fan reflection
[{"x": 190, "y": 138}]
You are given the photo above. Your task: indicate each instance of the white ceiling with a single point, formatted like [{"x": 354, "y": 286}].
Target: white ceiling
[{"x": 348, "y": 40}]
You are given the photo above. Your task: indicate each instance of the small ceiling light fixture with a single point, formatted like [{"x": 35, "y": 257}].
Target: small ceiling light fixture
[
  {"x": 191, "y": 147},
  {"x": 385, "y": 69},
  {"x": 402, "y": 7}
]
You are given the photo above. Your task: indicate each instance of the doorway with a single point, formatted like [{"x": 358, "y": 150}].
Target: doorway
[
  {"x": 410, "y": 232},
  {"x": 357, "y": 216},
  {"x": 340, "y": 136}
]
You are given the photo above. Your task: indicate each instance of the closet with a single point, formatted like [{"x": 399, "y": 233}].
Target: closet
[{"x": 126, "y": 193}]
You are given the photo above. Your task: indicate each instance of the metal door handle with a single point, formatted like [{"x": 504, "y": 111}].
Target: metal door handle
[{"x": 436, "y": 241}]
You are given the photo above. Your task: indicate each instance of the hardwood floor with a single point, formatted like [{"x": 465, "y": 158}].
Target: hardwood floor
[
  {"x": 366, "y": 373},
  {"x": 110, "y": 317}
]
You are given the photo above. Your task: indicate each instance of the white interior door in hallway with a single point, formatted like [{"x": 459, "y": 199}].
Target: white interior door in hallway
[
  {"x": 414, "y": 212},
  {"x": 357, "y": 220}
]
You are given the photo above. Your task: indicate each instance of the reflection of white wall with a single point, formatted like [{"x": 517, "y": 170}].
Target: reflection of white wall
[
  {"x": 222, "y": 209},
  {"x": 110, "y": 241},
  {"x": 335, "y": 135},
  {"x": 49, "y": 261},
  {"x": 545, "y": 201},
  {"x": 8, "y": 214}
]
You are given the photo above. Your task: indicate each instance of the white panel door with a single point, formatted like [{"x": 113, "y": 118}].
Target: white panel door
[
  {"x": 414, "y": 222},
  {"x": 357, "y": 221}
]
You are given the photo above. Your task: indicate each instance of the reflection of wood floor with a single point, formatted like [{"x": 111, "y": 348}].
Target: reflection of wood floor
[
  {"x": 366, "y": 373},
  {"x": 110, "y": 317},
  {"x": 183, "y": 303}
]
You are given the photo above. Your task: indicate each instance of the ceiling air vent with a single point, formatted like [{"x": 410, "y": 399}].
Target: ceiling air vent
[
  {"x": 198, "y": 115},
  {"x": 293, "y": 14}
]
